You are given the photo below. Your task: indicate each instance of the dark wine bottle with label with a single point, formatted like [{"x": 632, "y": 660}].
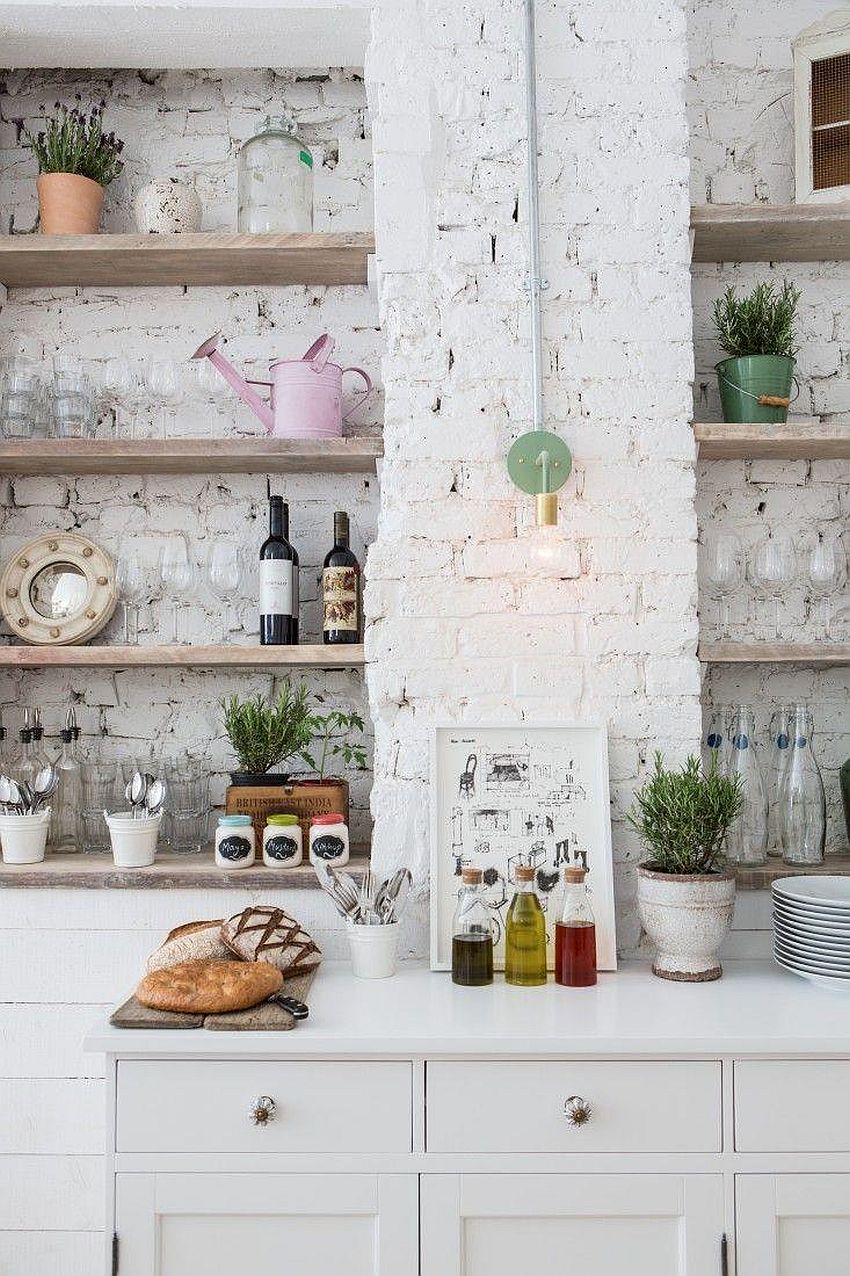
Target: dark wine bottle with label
[
  {"x": 341, "y": 607},
  {"x": 278, "y": 581}
]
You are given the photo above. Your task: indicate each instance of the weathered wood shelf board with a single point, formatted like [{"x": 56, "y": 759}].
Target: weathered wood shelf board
[
  {"x": 803, "y": 439},
  {"x": 170, "y": 872},
  {"x": 306, "y": 656},
  {"x": 110, "y": 261},
  {"x": 771, "y": 232},
  {"x": 813, "y": 654},
  {"x": 760, "y": 878},
  {"x": 357, "y": 455}
]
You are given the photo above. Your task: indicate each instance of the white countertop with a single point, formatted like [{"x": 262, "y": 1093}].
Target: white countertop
[{"x": 755, "y": 1008}]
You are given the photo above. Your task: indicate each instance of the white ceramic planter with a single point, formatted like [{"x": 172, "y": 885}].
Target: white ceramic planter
[
  {"x": 133, "y": 841},
  {"x": 687, "y": 919},
  {"x": 167, "y": 207},
  {"x": 24, "y": 837},
  {"x": 373, "y": 950}
]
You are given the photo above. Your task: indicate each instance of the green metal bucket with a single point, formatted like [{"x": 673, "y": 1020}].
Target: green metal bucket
[{"x": 743, "y": 381}]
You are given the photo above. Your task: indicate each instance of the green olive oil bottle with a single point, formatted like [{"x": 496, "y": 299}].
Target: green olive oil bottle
[{"x": 525, "y": 933}]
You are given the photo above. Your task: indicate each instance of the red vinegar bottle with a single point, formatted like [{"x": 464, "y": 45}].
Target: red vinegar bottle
[{"x": 575, "y": 934}]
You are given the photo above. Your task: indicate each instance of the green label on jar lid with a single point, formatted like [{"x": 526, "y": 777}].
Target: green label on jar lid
[{"x": 306, "y": 158}]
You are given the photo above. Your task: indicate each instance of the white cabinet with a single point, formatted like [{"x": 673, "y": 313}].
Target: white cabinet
[
  {"x": 316, "y": 1224},
  {"x": 793, "y": 1224},
  {"x": 547, "y": 1224}
]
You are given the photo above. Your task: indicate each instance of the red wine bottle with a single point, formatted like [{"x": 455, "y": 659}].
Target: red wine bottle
[
  {"x": 341, "y": 607},
  {"x": 278, "y": 581}
]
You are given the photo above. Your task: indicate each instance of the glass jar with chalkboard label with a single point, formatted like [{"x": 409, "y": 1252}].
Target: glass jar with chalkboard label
[
  {"x": 282, "y": 842},
  {"x": 235, "y": 846},
  {"x": 328, "y": 840}
]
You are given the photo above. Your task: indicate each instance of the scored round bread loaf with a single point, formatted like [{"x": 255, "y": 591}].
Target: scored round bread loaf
[
  {"x": 209, "y": 987},
  {"x": 189, "y": 942}
]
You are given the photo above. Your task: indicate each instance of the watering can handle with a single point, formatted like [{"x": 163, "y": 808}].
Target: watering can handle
[
  {"x": 361, "y": 398},
  {"x": 319, "y": 352}
]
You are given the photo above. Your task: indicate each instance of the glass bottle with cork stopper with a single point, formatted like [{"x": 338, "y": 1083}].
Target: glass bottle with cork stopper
[
  {"x": 525, "y": 933},
  {"x": 472, "y": 933},
  {"x": 575, "y": 934}
]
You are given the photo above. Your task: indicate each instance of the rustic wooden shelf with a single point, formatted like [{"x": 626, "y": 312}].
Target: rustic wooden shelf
[
  {"x": 760, "y": 879},
  {"x": 170, "y": 872},
  {"x": 801, "y": 440},
  {"x": 306, "y": 656},
  {"x": 817, "y": 655},
  {"x": 771, "y": 232},
  {"x": 44, "y": 261},
  {"x": 357, "y": 455}
]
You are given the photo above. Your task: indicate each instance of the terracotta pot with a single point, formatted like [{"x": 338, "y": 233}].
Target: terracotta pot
[
  {"x": 687, "y": 918},
  {"x": 68, "y": 204}
]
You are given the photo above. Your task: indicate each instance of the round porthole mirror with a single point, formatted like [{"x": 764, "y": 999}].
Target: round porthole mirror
[{"x": 57, "y": 590}]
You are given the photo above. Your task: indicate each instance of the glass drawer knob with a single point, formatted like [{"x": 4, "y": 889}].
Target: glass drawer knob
[
  {"x": 263, "y": 1110},
  {"x": 577, "y": 1110}
]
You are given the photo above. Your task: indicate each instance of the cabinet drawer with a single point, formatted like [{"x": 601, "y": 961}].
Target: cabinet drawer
[
  {"x": 319, "y": 1107},
  {"x": 520, "y": 1107},
  {"x": 792, "y": 1106}
]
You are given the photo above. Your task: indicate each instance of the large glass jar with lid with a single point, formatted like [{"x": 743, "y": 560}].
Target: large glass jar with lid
[{"x": 275, "y": 180}]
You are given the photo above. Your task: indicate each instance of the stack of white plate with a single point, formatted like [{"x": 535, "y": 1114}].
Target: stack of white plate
[{"x": 811, "y": 928}]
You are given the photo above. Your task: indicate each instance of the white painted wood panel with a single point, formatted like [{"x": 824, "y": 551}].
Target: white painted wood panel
[
  {"x": 793, "y": 1224},
  {"x": 499, "y": 1225},
  {"x": 196, "y": 1224},
  {"x": 47, "y": 1041},
  {"x": 798, "y": 1105},
  {"x": 95, "y": 967},
  {"x": 51, "y": 1253},
  {"x": 519, "y": 1107},
  {"x": 54, "y": 1193},
  {"x": 51, "y": 1115},
  {"x": 320, "y": 1107}
]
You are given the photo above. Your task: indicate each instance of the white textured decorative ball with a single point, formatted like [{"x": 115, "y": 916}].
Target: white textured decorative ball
[{"x": 166, "y": 207}]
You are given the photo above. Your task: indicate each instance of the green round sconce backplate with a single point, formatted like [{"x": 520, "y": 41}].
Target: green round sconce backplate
[{"x": 523, "y": 460}]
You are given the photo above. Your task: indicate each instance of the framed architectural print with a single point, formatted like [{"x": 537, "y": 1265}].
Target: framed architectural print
[{"x": 508, "y": 795}]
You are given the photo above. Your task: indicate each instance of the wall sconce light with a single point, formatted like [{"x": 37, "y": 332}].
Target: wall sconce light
[{"x": 539, "y": 463}]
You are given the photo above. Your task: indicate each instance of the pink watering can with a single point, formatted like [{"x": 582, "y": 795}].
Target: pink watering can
[{"x": 306, "y": 394}]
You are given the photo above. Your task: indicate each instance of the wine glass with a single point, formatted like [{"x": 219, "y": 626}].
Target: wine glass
[
  {"x": 119, "y": 389},
  {"x": 223, "y": 571},
  {"x": 130, "y": 578},
  {"x": 165, "y": 386},
  {"x": 827, "y": 567},
  {"x": 723, "y": 571},
  {"x": 773, "y": 570},
  {"x": 176, "y": 572}
]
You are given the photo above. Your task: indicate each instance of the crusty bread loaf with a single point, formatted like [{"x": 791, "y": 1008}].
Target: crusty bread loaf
[
  {"x": 191, "y": 942},
  {"x": 209, "y": 987},
  {"x": 266, "y": 933}
]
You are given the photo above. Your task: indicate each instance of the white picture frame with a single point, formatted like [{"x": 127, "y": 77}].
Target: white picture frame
[
  {"x": 827, "y": 38},
  {"x": 520, "y": 792}
]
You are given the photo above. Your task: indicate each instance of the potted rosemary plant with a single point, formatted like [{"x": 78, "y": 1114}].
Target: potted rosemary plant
[
  {"x": 76, "y": 162},
  {"x": 263, "y": 735},
  {"x": 685, "y": 900},
  {"x": 758, "y": 334}
]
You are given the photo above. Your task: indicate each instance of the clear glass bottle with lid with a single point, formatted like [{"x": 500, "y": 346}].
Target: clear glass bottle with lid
[
  {"x": 275, "y": 180},
  {"x": 802, "y": 805},
  {"x": 525, "y": 933},
  {"x": 472, "y": 933}
]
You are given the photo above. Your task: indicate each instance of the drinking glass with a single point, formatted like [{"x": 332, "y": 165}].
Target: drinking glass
[
  {"x": 827, "y": 567},
  {"x": 723, "y": 567},
  {"x": 223, "y": 572},
  {"x": 130, "y": 578},
  {"x": 176, "y": 572},
  {"x": 186, "y": 804},
  {"x": 73, "y": 398},
  {"x": 102, "y": 787},
  {"x": 21, "y": 398},
  {"x": 773, "y": 570},
  {"x": 164, "y": 383}
]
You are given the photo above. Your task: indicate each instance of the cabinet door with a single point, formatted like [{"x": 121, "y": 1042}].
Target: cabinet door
[
  {"x": 321, "y": 1224},
  {"x": 793, "y": 1224},
  {"x": 595, "y": 1224}
]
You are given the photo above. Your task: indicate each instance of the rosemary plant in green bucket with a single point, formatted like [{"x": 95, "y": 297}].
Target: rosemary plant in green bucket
[
  {"x": 685, "y": 897},
  {"x": 758, "y": 333},
  {"x": 76, "y": 161}
]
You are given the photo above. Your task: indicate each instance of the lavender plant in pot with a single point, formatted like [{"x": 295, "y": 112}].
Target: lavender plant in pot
[
  {"x": 685, "y": 898},
  {"x": 76, "y": 162}
]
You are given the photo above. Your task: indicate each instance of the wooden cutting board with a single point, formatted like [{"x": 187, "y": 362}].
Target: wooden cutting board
[{"x": 266, "y": 1017}]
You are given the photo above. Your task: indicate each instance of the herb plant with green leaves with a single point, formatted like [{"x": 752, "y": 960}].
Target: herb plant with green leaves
[
  {"x": 73, "y": 142},
  {"x": 263, "y": 734},
  {"x": 763, "y": 322},
  {"x": 683, "y": 816},
  {"x": 339, "y": 736}
]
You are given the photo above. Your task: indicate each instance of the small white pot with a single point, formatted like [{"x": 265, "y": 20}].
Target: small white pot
[
  {"x": 24, "y": 837},
  {"x": 133, "y": 841},
  {"x": 167, "y": 207},
  {"x": 687, "y": 918},
  {"x": 373, "y": 950}
]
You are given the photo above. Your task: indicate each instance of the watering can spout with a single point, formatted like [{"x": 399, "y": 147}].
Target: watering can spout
[{"x": 209, "y": 350}]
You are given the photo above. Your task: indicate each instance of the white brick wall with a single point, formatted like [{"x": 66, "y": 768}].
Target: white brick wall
[{"x": 740, "y": 109}]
